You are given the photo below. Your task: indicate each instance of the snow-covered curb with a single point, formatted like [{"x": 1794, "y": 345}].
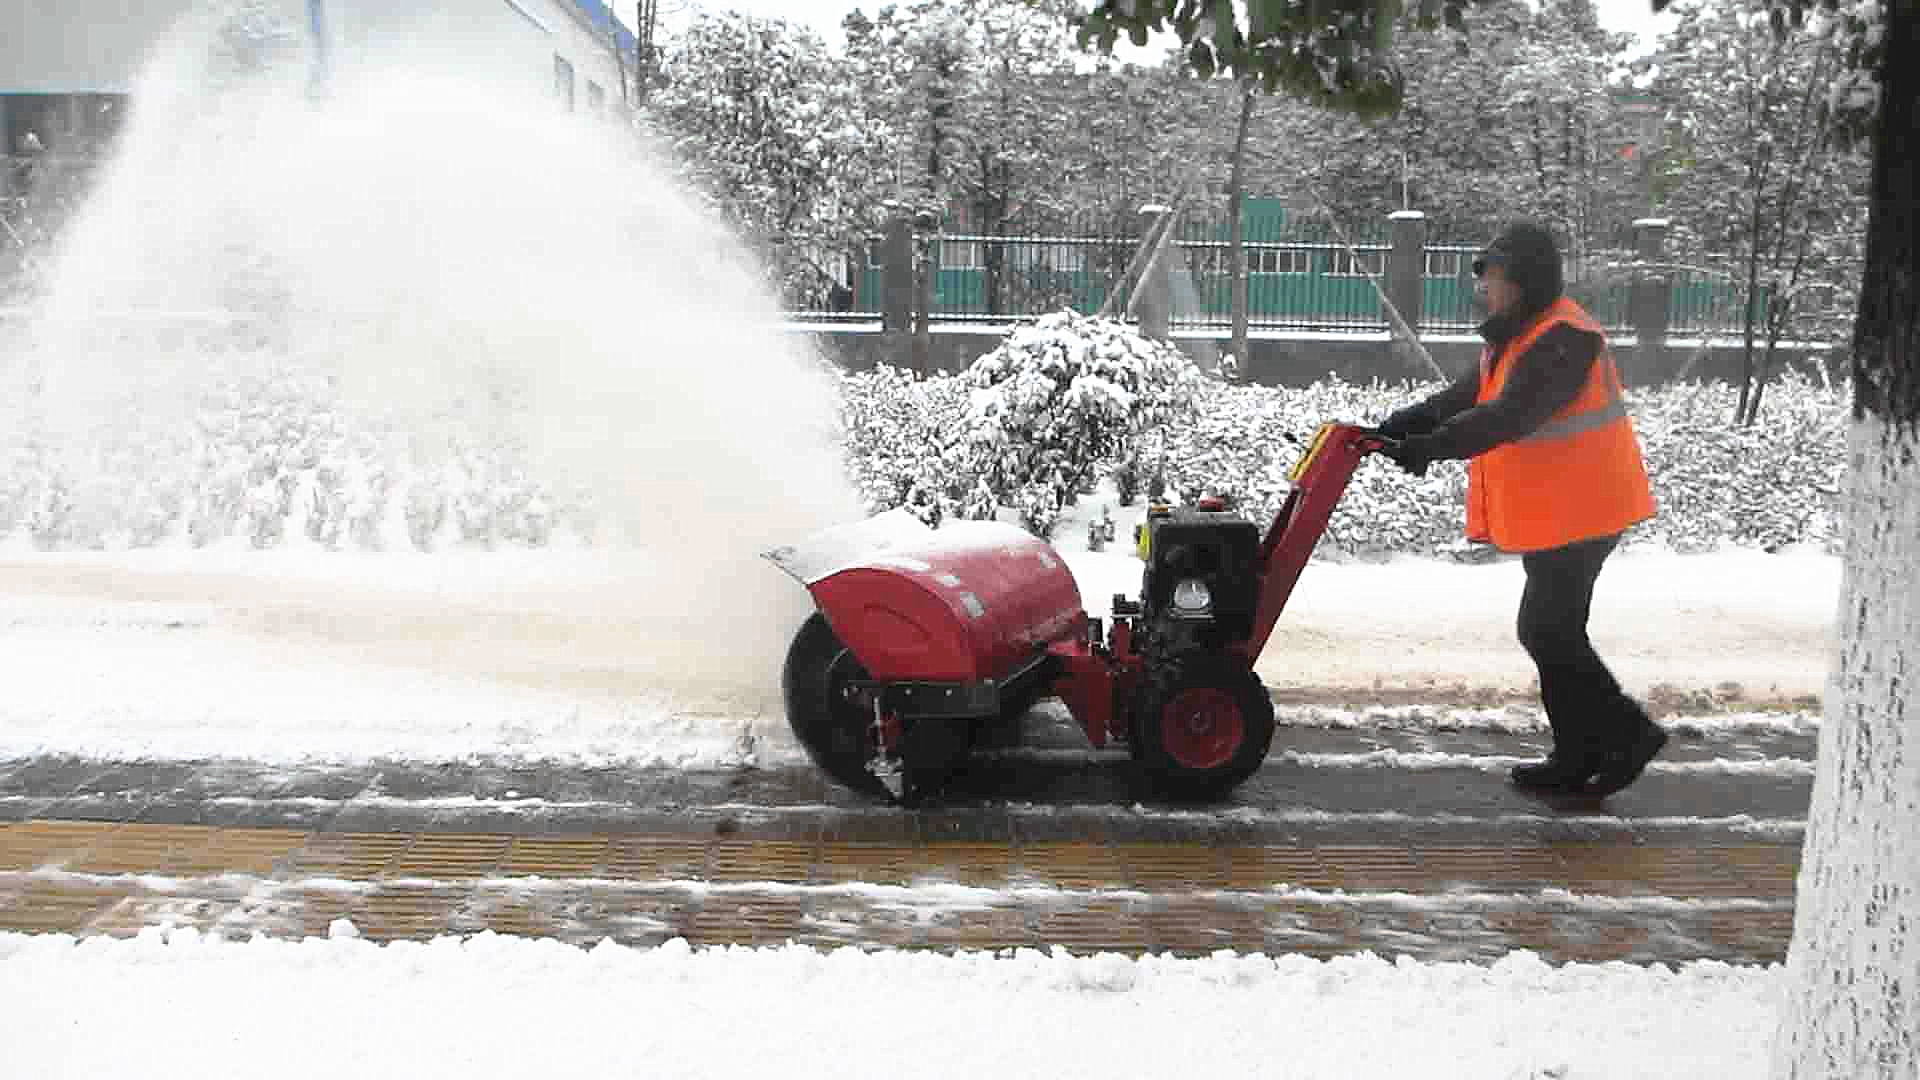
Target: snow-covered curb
[{"x": 175, "y": 1003}]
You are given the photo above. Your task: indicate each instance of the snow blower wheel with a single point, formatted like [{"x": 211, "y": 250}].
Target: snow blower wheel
[
  {"x": 1202, "y": 726},
  {"x": 825, "y": 710}
]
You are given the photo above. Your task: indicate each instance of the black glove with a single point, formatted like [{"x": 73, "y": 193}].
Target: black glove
[
  {"x": 1411, "y": 453},
  {"x": 1405, "y": 422}
]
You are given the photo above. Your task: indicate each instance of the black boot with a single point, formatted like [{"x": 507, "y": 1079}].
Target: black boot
[
  {"x": 1561, "y": 773},
  {"x": 1620, "y": 766}
]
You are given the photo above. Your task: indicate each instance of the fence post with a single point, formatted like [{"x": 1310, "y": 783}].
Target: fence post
[
  {"x": 869, "y": 294},
  {"x": 926, "y": 227},
  {"x": 1407, "y": 274},
  {"x": 1152, "y": 300},
  {"x": 896, "y": 275},
  {"x": 896, "y": 290},
  {"x": 1651, "y": 304}
]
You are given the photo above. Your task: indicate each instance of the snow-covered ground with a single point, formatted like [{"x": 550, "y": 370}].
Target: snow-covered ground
[
  {"x": 289, "y": 657},
  {"x": 544, "y": 655},
  {"x": 181, "y": 1006}
]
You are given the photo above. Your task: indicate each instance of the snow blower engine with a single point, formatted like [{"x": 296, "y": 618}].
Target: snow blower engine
[{"x": 924, "y": 639}]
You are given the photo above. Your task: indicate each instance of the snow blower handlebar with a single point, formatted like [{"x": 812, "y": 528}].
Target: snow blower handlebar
[{"x": 1319, "y": 479}]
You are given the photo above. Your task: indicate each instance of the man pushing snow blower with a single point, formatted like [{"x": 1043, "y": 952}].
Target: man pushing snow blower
[
  {"x": 1554, "y": 474},
  {"x": 924, "y": 639}
]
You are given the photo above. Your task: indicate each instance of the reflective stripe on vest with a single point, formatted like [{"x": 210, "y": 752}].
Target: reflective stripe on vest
[{"x": 1581, "y": 423}]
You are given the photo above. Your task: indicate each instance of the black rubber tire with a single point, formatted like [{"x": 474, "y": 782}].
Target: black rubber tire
[
  {"x": 832, "y": 730},
  {"x": 1184, "y": 766}
]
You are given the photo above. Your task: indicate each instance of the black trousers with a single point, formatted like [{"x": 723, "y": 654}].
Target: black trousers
[{"x": 1586, "y": 708}]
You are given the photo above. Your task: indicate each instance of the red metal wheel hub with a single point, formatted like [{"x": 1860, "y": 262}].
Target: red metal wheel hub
[{"x": 1202, "y": 728}]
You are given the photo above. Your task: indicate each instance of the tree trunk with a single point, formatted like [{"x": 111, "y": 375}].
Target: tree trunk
[
  {"x": 1852, "y": 1005},
  {"x": 1236, "y": 201}
]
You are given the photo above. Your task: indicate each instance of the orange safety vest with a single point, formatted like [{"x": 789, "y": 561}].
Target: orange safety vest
[{"x": 1580, "y": 476}]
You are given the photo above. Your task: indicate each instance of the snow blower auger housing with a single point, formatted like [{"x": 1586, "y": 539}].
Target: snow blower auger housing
[{"x": 924, "y": 637}]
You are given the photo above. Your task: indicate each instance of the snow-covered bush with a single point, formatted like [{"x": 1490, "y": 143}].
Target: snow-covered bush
[
  {"x": 1772, "y": 485},
  {"x": 270, "y": 460},
  {"x": 905, "y": 445},
  {"x": 1061, "y": 401},
  {"x": 267, "y": 460}
]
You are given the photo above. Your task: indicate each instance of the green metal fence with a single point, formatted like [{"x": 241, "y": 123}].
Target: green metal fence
[{"x": 1302, "y": 275}]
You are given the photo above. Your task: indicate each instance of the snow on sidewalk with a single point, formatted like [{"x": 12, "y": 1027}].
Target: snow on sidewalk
[
  {"x": 179, "y": 1005},
  {"x": 294, "y": 656}
]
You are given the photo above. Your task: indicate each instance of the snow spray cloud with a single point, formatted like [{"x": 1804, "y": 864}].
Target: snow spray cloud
[{"x": 458, "y": 263}]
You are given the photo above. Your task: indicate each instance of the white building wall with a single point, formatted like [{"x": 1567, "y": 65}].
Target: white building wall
[
  {"x": 79, "y": 46},
  {"x": 99, "y": 46},
  {"x": 521, "y": 41}
]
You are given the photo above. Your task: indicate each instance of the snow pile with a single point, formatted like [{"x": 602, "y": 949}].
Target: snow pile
[{"x": 490, "y": 1006}]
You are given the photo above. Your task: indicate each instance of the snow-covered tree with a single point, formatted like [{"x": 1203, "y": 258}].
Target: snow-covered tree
[
  {"x": 979, "y": 96},
  {"x": 768, "y": 122},
  {"x": 1512, "y": 114},
  {"x": 1853, "y": 1001},
  {"x": 1756, "y": 182}
]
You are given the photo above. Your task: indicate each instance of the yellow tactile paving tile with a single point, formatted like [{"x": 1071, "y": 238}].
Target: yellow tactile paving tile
[
  {"x": 984, "y": 865},
  {"x": 64, "y": 906},
  {"x": 136, "y": 913},
  {"x": 1171, "y": 867},
  {"x": 1100, "y": 925},
  {"x": 1188, "y": 925},
  {"x": 785, "y": 861},
  {"x": 1751, "y": 931},
  {"x": 353, "y": 856},
  {"x": 131, "y": 849},
  {"x": 405, "y": 912},
  {"x": 30, "y": 845},
  {"x": 1259, "y": 868},
  {"x": 1715, "y": 870},
  {"x": 555, "y": 857},
  {"x": 520, "y": 918},
  {"x": 445, "y": 857},
  {"x": 656, "y": 859},
  {"x": 847, "y": 922},
  {"x": 988, "y": 928},
  {"x": 879, "y": 863},
  {"x": 1491, "y": 868},
  {"x": 1070, "y": 865},
  {"x": 1372, "y": 868},
  {"x": 759, "y": 920},
  {"x": 1761, "y": 868}
]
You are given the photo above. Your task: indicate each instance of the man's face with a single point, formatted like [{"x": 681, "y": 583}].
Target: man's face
[{"x": 1495, "y": 291}]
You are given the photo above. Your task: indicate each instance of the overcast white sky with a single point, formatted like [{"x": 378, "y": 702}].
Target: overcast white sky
[{"x": 1635, "y": 16}]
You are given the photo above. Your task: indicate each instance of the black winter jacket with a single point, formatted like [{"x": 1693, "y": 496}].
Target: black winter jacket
[{"x": 1548, "y": 377}]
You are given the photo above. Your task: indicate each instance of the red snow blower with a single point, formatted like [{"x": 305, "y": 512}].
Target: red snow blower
[{"x": 924, "y": 638}]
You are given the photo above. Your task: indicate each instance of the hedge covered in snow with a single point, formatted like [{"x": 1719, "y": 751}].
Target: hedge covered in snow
[
  {"x": 269, "y": 460},
  {"x": 1772, "y": 485},
  {"x": 272, "y": 460},
  {"x": 1028, "y": 426}
]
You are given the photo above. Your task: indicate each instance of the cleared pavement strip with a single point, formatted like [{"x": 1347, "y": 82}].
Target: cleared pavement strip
[{"x": 1619, "y": 898}]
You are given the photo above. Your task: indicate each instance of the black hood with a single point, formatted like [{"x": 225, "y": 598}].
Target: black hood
[{"x": 1532, "y": 261}]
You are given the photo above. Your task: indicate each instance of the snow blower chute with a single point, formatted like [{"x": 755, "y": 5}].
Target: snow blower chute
[{"x": 922, "y": 637}]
